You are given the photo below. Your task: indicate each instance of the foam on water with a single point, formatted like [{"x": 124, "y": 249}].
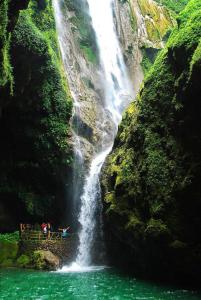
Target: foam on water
[{"x": 76, "y": 268}]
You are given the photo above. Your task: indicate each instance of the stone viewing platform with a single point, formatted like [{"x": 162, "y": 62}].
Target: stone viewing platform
[{"x": 63, "y": 248}]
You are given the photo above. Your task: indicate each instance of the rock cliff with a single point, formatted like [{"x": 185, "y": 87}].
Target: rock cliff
[{"x": 151, "y": 181}]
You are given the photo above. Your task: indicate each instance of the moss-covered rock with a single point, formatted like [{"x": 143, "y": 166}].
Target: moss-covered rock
[
  {"x": 153, "y": 23},
  {"x": 153, "y": 174},
  {"x": 45, "y": 260},
  {"x": 7, "y": 263},
  {"x": 157, "y": 20}
]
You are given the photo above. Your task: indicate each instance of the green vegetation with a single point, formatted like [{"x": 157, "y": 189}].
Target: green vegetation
[
  {"x": 38, "y": 260},
  {"x": 149, "y": 56},
  {"x": 10, "y": 237},
  {"x": 23, "y": 261},
  {"x": 151, "y": 180},
  {"x": 5, "y": 66},
  {"x": 8, "y": 253},
  {"x": 34, "y": 123}
]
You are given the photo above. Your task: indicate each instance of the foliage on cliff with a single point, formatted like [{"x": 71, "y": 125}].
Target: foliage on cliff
[
  {"x": 5, "y": 68},
  {"x": 34, "y": 130},
  {"x": 151, "y": 180},
  {"x": 174, "y": 5}
]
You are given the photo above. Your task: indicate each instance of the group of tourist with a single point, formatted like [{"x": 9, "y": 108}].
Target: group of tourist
[{"x": 46, "y": 229}]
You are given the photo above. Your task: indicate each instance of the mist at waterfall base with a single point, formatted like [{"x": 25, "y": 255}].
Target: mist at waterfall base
[{"x": 117, "y": 93}]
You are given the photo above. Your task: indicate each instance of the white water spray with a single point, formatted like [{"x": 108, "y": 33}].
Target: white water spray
[{"x": 117, "y": 95}]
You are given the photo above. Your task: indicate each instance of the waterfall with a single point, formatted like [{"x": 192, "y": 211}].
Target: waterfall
[
  {"x": 117, "y": 93},
  {"x": 117, "y": 87}
]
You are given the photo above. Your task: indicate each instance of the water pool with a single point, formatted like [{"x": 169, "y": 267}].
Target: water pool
[{"x": 102, "y": 284}]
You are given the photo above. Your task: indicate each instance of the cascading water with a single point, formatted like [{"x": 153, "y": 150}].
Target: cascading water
[
  {"x": 116, "y": 88},
  {"x": 117, "y": 95}
]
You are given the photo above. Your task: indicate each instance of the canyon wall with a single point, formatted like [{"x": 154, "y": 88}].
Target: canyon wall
[{"x": 151, "y": 181}]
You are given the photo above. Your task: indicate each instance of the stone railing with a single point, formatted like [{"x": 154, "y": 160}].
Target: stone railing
[{"x": 32, "y": 235}]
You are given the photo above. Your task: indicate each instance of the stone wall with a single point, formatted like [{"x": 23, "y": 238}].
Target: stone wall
[{"x": 65, "y": 249}]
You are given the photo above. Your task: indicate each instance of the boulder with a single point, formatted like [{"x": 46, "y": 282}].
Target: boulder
[{"x": 45, "y": 260}]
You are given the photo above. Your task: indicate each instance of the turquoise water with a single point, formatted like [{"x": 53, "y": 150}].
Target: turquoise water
[{"x": 106, "y": 284}]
